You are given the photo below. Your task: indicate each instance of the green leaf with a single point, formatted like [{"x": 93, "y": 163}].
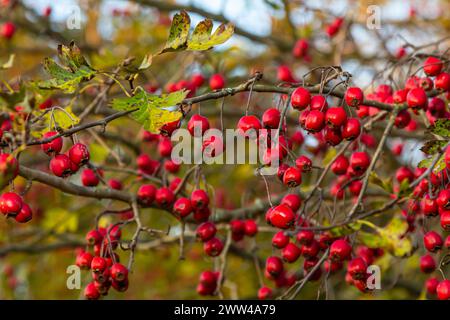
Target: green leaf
[
  {"x": 61, "y": 118},
  {"x": 426, "y": 163},
  {"x": 441, "y": 127},
  {"x": 152, "y": 112},
  {"x": 68, "y": 76},
  {"x": 98, "y": 153},
  {"x": 8, "y": 64},
  {"x": 404, "y": 188},
  {"x": 384, "y": 184},
  {"x": 372, "y": 240},
  {"x": 12, "y": 99},
  {"x": 433, "y": 146},
  {"x": 179, "y": 32},
  {"x": 346, "y": 229},
  {"x": 60, "y": 220}
]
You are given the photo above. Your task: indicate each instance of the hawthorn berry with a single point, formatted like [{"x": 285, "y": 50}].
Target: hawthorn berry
[
  {"x": 206, "y": 231},
  {"x": 443, "y": 290},
  {"x": 98, "y": 264},
  {"x": 182, "y": 207},
  {"x": 199, "y": 199},
  {"x": 354, "y": 96},
  {"x": 315, "y": 121},
  {"x": 300, "y": 98},
  {"x": 213, "y": 247},
  {"x": 89, "y": 178},
  {"x": 7, "y": 30},
  {"x": 303, "y": 163},
  {"x": 61, "y": 166},
  {"x": 417, "y": 98},
  {"x": 274, "y": 266},
  {"x": 119, "y": 272},
  {"x": 305, "y": 237},
  {"x": 251, "y": 228},
  {"x": 442, "y": 81},
  {"x": 357, "y": 268},
  {"x": 340, "y": 250},
  {"x": 91, "y": 292},
  {"x": 84, "y": 260},
  {"x": 432, "y": 241},
  {"x": 292, "y": 177},
  {"x": 336, "y": 117},
  {"x": 281, "y": 216},
  {"x": 293, "y": 201},
  {"x": 146, "y": 194},
  {"x": 25, "y": 214},
  {"x": 264, "y": 293},
  {"x": 197, "y": 125},
  {"x": 164, "y": 197},
  {"x": 432, "y": 66},
  {"x": 319, "y": 103},
  {"x": 249, "y": 123},
  {"x": 340, "y": 165},
  {"x": 351, "y": 129},
  {"x": 271, "y": 118},
  {"x": 290, "y": 253},
  {"x": 280, "y": 240},
  {"x": 427, "y": 264},
  {"x": 216, "y": 82},
  {"x": 10, "y": 203},
  {"x": 54, "y": 146},
  {"x": 79, "y": 154},
  {"x": 431, "y": 285}
]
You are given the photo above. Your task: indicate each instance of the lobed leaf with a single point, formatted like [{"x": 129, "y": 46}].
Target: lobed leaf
[{"x": 441, "y": 127}]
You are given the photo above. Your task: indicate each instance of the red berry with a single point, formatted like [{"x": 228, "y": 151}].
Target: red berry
[
  {"x": 340, "y": 250},
  {"x": 300, "y": 49},
  {"x": 432, "y": 241},
  {"x": 146, "y": 164},
  {"x": 357, "y": 268},
  {"x": 167, "y": 129},
  {"x": 427, "y": 264},
  {"x": 293, "y": 201},
  {"x": 217, "y": 81},
  {"x": 251, "y": 228},
  {"x": 333, "y": 136},
  {"x": 7, "y": 30},
  {"x": 300, "y": 98},
  {"x": 10, "y": 203},
  {"x": 432, "y": 66},
  {"x": 120, "y": 286},
  {"x": 303, "y": 163},
  {"x": 417, "y": 98},
  {"x": 89, "y": 178},
  {"x": 292, "y": 177},
  {"x": 429, "y": 206},
  {"x": 79, "y": 154},
  {"x": 61, "y": 165},
  {"x": 282, "y": 216},
  {"x": 351, "y": 129},
  {"x": 9, "y": 167},
  {"x": 146, "y": 194},
  {"x": 443, "y": 199},
  {"x": 340, "y": 165},
  {"x": 182, "y": 207},
  {"x": 271, "y": 118},
  {"x": 336, "y": 117},
  {"x": 445, "y": 220},
  {"x": 53, "y": 146},
  {"x": 197, "y": 80},
  {"x": 249, "y": 123},
  {"x": 285, "y": 74},
  {"x": 280, "y": 240},
  {"x": 290, "y": 253},
  {"x": 91, "y": 292},
  {"x": 442, "y": 81},
  {"x": 319, "y": 103},
  {"x": 305, "y": 237},
  {"x": 431, "y": 286},
  {"x": 354, "y": 96},
  {"x": 199, "y": 199},
  {"x": 274, "y": 266},
  {"x": 213, "y": 247},
  {"x": 359, "y": 162},
  {"x": 84, "y": 260},
  {"x": 206, "y": 231},
  {"x": 311, "y": 250},
  {"x": 119, "y": 272},
  {"x": 264, "y": 293},
  {"x": 94, "y": 237},
  {"x": 315, "y": 121},
  {"x": 198, "y": 125},
  {"x": 164, "y": 197},
  {"x": 115, "y": 184},
  {"x": 402, "y": 119},
  {"x": 98, "y": 264},
  {"x": 25, "y": 214}
]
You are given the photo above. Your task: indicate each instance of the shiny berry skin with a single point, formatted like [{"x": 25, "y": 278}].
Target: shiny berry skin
[
  {"x": 274, "y": 266},
  {"x": 302, "y": 118},
  {"x": 432, "y": 241},
  {"x": 300, "y": 98},
  {"x": 119, "y": 272},
  {"x": 206, "y": 231},
  {"x": 284, "y": 73},
  {"x": 332, "y": 136},
  {"x": 336, "y": 117},
  {"x": 311, "y": 250},
  {"x": 280, "y": 240},
  {"x": 404, "y": 173},
  {"x": 271, "y": 118},
  {"x": 61, "y": 165},
  {"x": 94, "y": 237},
  {"x": 182, "y": 207},
  {"x": 7, "y": 30},
  {"x": 399, "y": 96},
  {"x": 53, "y": 146},
  {"x": 303, "y": 163},
  {"x": 359, "y": 162},
  {"x": 281, "y": 170},
  {"x": 351, "y": 129},
  {"x": 431, "y": 285},
  {"x": 237, "y": 227},
  {"x": 213, "y": 247},
  {"x": 429, "y": 206},
  {"x": 319, "y": 103},
  {"x": 292, "y": 177},
  {"x": 293, "y": 201},
  {"x": 443, "y": 199},
  {"x": 432, "y": 66},
  {"x": 199, "y": 199},
  {"x": 442, "y": 81},
  {"x": 340, "y": 250},
  {"x": 315, "y": 121},
  {"x": 209, "y": 278},
  {"x": 120, "y": 286},
  {"x": 146, "y": 194},
  {"x": 91, "y": 292},
  {"x": 417, "y": 98},
  {"x": 282, "y": 216},
  {"x": 445, "y": 220},
  {"x": 354, "y": 96},
  {"x": 305, "y": 237},
  {"x": 264, "y": 293},
  {"x": 427, "y": 264},
  {"x": 340, "y": 165},
  {"x": 290, "y": 253},
  {"x": 84, "y": 260},
  {"x": 79, "y": 154},
  {"x": 247, "y": 123},
  {"x": 167, "y": 129},
  {"x": 25, "y": 214},
  {"x": 443, "y": 290},
  {"x": 217, "y": 81},
  {"x": 357, "y": 268},
  {"x": 10, "y": 203},
  {"x": 165, "y": 147},
  {"x": 146, "y": 164},
  {"x": 89, "y": 178},
  {"x": 402, "y": 119},
  {"x": 164, "y": 197},
  {"x": 197, "y": 79},
  {"x": 198, "y": 123},
  {"x": 98, "y": 264},
  {"x": 202, "y": 215},
  {"x": 251, "y": 228}
]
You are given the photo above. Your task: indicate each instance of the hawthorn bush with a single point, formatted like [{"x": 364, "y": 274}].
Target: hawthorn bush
[{"x": 359, "y": 204}]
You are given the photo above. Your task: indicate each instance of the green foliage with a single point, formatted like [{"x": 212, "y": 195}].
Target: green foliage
[
  {"x": 433, "y": 146},
  {"x": 151, "y": 110},
  {"x": 385, "y": 184},
  {"x": 441, "y": 128},
  {"x": 60, "y": 220}
]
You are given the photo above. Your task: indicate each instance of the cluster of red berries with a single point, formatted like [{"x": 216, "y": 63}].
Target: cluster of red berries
[{"x": 104, "y": 263}]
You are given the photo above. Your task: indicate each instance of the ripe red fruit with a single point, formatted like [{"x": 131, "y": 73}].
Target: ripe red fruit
[
  {"x": 251, "y": 228},
  {"x": 146, "y": 194},
  {"x": 443, "y": 199},
  {"x": 182, "y": 207},
  {"x": 285, "y": 74},
  {"x": 340, "y": 250},
  {"x": 146, "y": 164},
  {"x": 209, "y": 278},
  {"x": 202, "y": 215},
  {"x": 206, "y": 231},
  {"x": 84, "y": 260},
  {"x": 199, "y": 199},
  {"x": 217, "y": 81},
  {"x": 311, "y": 250},
  {"x": 300, "y": 98},
  {"x": 402, "y": 119},
  {"x": 10, "y": 203},
  {"x": 427, "y": 264},
  {"x": 25, "y": 214},
  {"x": 292, "y": 177},
  {"x": 213, "y": 247},
  {"x": 404, "y": 173},
  {"x": 89, "y": 178},
  {"x": 305, "y": 237},
  {"x": 357, "y": 268},
  {"x": 417, "y": 98},
  {"x": 294, "y": 201},
  {"x": 7, "y": 30},
  {"x": 274, "y": 266},
  {"x": 98, "y": 264},
  {"x": 359, "y": 162},
  {"x": 91, "y": 292},
  {"x": 120, "y": 286},
  {"x": 53, "y": 146},
  {"x": 9, "y": 167},
  {"x": 290, "y": 253},
  {"x": 237, "y": 227},
  {"x": 445, "y": 220},
  {"x": 197, "y": 79},
  {"x": 319, "y": 103},
  {"x": 167, "y": 129},
  {"x": 432, "y": 241},
  {"x": 94, "y": 237},
  {"x": 282, "y": 216},
  {"x": 164, "y": 197},
  {"x": 399, "y": 96},
  {"x": 79, "y": 154},
  {"x": 315, "y": 121},
  {"x": 61, "y": 165},
  {"x": 354, "y": 96},
  {"x": 332, "y": 136},
  {"x": 336, "y": 117},
  {"x": 119, "y": 272},
  {"x": 247, "y": 123},
  {"x": 332, "y": 266},
  {"x": 442, "y": 81},
  {"x": 443, "y": 290},
  {"x": 429, "y": 206},
  {"x": 340, "y": 165},
  {"x": 432, "y": 66},
  {"x": 431, "y": 285},
  {"x": 197, "y": 125},
  {"x": 300, "y": 49},
  {"x": 264, "y": 293},
  {"x": 303, "y": 163},
  {"x": 280, "y": 240},
  {"x": 165, "y": 148},
  {"x": 115, "y": 184},
  {"x": 351, "y": 129},
  {"x": 271, "y": 118}
]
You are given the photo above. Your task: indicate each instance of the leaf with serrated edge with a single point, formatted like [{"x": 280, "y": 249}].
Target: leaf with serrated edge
[
  {"x": 179, "y": 32},
  {"x": 441, "y": 127},
  {"x": 433, "y": 146},
  {"x": 204, "y": 41}
]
